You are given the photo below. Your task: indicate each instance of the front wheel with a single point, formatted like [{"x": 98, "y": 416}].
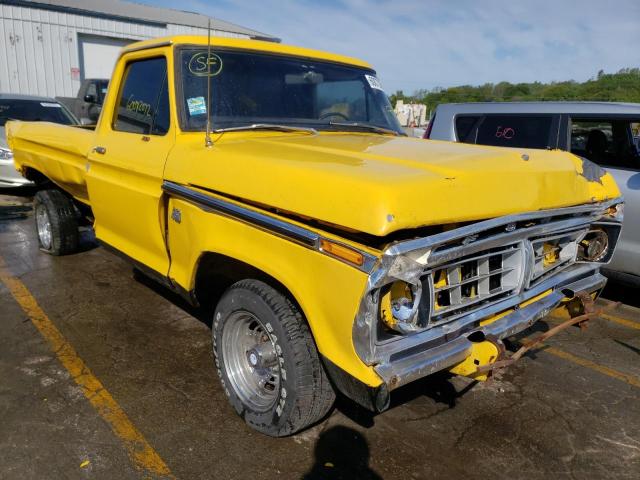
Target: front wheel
[{"x": 267, "y": 360}]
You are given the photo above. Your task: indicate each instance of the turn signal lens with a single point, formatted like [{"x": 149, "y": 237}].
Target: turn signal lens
[{"x": 340, "y": 251}]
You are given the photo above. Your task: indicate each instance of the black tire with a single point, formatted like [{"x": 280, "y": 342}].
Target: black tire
[
  {"x": 54, "y": 208},
  {"x": 303, "y": 395}
]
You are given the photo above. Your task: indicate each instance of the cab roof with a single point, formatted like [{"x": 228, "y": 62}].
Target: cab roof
[{"x": 245, "y": 44}]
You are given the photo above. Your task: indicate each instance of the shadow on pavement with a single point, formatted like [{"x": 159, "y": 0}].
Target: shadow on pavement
[
  {"x": 29, "y": 191},
  {"x": 341, "y": 453},
  {"x": 438, "y": 387},
  {"x": 619, "y": 292}
]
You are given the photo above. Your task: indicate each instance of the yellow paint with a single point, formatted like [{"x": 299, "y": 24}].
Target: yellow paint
[
  {"x": 57, "y": 151},
  {"x": 252, "y": 45},
  {"x": 374, "y": 176},
  {"x": 620, "y": 321},
  {"x": 377, "y": 184},
  {"x": 563, "y": 314},
  {"x": 482, "y": 353},
  {"x": 624, "y": 377},
  {"x": 408, "y": 178},
  {"x": 125, "y": 182},
  {"x": 551, "y": 254},
  {"x": 327, "y": 290},
  {"x": 441, "y": 280},
  {"x": 140, "y": 451}
]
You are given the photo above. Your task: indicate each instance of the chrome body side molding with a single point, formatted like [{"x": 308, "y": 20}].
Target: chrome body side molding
[{"x": 282, "y": 228}]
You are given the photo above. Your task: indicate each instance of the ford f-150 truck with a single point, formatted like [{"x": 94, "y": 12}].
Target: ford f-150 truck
[{"x": 273, "y": 187}]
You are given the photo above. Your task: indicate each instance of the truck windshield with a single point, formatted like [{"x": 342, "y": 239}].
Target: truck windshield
[
  {"x": 253, "y": 88},
  {"x": 34, "y": 111}
]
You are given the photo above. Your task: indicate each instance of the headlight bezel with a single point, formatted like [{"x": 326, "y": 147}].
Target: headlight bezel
[{"x": 400, "y": 305}]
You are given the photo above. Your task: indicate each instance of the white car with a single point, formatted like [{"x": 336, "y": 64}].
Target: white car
[{"x": 29, "y": 108}]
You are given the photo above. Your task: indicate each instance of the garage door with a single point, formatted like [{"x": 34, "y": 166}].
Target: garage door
[{"x": 98, "y": 55}]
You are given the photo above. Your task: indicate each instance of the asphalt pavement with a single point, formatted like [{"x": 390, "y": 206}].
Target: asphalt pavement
[{"x": 104, "y": 374}]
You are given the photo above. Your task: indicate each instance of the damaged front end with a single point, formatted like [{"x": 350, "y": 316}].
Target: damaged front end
[{"x": 447, "y": 301}]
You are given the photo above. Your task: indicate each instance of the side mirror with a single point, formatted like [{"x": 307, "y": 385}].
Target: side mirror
[{"x": 90, "y": 98}]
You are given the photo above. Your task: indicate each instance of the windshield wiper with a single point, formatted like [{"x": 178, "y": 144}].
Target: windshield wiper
[
  {"x": 367, "y": 126},
  {"x": 267, "y": 126}
]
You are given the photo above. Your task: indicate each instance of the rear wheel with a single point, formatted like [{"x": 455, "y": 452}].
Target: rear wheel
[
  {"x": 267, "y": 360},
  {"x": 56, "y": 222}
]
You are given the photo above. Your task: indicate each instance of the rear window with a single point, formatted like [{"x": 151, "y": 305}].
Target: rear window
[
  {"x": 515, "y": 131},
  {"x": 34, "y": 111}
]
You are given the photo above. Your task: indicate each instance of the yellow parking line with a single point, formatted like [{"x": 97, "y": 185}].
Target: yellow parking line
[
  {"x": 142, "y": 454},
  {"x": 621, "y": 321},
  {"x": 630, "y": 379},
  {"x": 606, "y": 316}
]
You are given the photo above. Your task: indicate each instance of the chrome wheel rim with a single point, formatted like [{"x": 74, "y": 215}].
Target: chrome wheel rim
[
  {"x": 44, "y": 227},
  {"x": 250, "y": 360}
]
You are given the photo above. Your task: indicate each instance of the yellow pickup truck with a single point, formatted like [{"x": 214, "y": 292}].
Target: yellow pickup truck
[{"x": 273, "y": 187}]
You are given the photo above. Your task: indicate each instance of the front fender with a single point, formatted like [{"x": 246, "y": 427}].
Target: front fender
[{"x": 328, "y": 290}]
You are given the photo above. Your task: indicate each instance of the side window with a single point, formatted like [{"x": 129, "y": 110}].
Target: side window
[
  {"x": 464, "y": 127},
  {"x": 515, "y": 131},
  {"x": 143, "y": 107},
  {"x": 607, "y": 142}
]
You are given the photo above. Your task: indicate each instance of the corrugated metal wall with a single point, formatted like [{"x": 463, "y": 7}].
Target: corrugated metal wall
[{"x": 39, "y": 48}]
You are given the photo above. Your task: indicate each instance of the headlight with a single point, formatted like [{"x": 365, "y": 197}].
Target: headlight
[
  {"x": 594, "y": 247},
  {"x": 399, "y": 302},
  {"x": 6, "y": 154}
]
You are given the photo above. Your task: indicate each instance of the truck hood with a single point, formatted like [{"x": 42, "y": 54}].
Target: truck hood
[{"x": 379, "y": 184}]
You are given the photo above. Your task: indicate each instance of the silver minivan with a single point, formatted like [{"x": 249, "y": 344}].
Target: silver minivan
[{"x": 603, "y": 132}]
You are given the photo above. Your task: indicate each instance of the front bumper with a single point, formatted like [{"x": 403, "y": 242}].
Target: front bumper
[
  {"x": 444, "y": 336},
  {"x": 406, "y": 366}
]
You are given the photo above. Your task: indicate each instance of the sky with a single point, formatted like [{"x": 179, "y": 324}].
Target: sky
[{"x": 425, "y": 44}]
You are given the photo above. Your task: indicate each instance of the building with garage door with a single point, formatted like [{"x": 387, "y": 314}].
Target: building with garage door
[{"x": 49, "y": 46}]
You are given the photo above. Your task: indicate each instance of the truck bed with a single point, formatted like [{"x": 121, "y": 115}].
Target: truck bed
[{"x": 59, "y": 152}]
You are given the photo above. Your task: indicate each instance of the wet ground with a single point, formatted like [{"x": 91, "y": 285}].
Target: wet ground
[{"x": 571, "y": 411}]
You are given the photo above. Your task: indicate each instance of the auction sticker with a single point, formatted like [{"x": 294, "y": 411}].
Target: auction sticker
[
  {"x": 373, "y": 82},
  {"x": 50, "y": 104},
  {"x": 197, "y": 106}
]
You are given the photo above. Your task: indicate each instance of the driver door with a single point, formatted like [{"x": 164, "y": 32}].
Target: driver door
[{"x": 126, "y": 165}]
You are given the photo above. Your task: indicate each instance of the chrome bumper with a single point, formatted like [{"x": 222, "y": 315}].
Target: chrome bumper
[{"x": 404, "y": 367}]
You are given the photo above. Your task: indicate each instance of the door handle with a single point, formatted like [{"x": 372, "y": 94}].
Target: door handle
[{"x": 100, "y": 150}]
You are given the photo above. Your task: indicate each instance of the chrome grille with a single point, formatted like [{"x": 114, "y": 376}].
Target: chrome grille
[
  {"x": 474, "y": 280},
  {"x": 553, "y": 253}
]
